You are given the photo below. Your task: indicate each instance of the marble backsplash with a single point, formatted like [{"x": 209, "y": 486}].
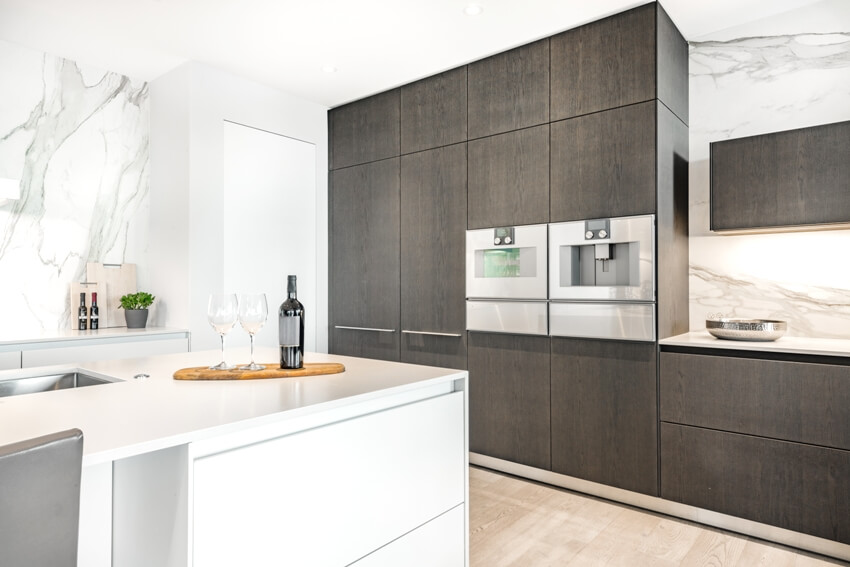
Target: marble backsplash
[
  {"x": 77, "y": 138},
  {"x": 757, "y": 84}
]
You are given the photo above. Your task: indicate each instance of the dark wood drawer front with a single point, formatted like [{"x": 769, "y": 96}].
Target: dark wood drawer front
[
  {"x": 509, "y": 398},
  {"x": 431, "y": 350},
  {"x": 798, "y": 177},
  {"x": 789, "y": 485},
  {"x": 604, "y": 412},
  {"x": 433, "y": 111},
  {"x": 604, "y": 164},
  {"x": 510, "y": 90},
  {"x": 509, "y": 179},
  {"x": 366, "y": 130},
  {"x": 806, "y": 403},
  {"x": 366, "y": 344},
  {"x": 604, "y": 64}
]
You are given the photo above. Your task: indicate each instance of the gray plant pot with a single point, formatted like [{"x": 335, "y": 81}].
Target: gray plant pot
[{"x": 136, "y": 318}]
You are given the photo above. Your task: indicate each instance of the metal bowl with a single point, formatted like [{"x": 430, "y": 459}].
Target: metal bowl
[{"x": 746, "y": 329}]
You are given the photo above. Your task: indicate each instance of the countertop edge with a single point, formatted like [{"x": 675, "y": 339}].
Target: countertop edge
[{"x": 790, "y": 345}]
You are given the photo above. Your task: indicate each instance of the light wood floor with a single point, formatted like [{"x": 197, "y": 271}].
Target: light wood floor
[{"x": 521, "y": 523}]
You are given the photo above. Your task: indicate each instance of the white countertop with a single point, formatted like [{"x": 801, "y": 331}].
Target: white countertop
[
  {"x": 11, "y": 338},
  {"x": 137, "y": 416},
  {"x": 795, "y": 345}
]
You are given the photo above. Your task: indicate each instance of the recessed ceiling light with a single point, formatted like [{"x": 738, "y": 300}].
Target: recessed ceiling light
[
  {"x": 329, "y": 69},
  {"x": 473, "y": 10}
]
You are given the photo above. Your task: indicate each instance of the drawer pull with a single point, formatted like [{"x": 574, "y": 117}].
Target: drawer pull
[
  {"x": 364, "y": 329},
  {"x": 432, "y": 334}
]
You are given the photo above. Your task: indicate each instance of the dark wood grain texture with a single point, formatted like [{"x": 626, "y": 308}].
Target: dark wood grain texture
[
  {"x": 604, "y": 64},
  {"x": 603, "y": 164},
  {"x": 509, "y": 179},
  {"x": 510, "y": 90},
  {"x": 791, "y": 178},
  {"x": 672, "y": 225},
  {"x": 509, "y": 398},
  {"x": 366, "y": 344},
  {"x": 792, "y": 401},
  {"x": 433, "y": 111},
  {"x": 364, "y": 234},
  {"x": 433, "y": 227},
  {"x": 798, "y": 487},
  {"x": 365, "y": 130},
  {"x": 672, "y": 65},
  {"x": 604, "y": 412}
]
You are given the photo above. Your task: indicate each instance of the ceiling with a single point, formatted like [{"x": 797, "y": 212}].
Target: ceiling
[{"x": 373, "y": 45}]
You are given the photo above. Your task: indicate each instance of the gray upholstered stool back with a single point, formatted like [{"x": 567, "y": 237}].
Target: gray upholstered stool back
[{"x": 40, "y": 500}]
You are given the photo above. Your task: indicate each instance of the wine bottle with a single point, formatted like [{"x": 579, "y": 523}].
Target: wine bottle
[
  {"x": 95, "y": 313},
  {"x": 291, "y": 328},
  {"x": 82, "y": 312}
]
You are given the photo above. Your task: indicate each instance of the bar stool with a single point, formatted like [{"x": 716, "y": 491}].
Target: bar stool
[{"x": 40, "y": 500}]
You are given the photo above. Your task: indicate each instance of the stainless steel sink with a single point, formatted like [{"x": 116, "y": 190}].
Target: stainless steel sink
[{"x": 59, "y": 381}]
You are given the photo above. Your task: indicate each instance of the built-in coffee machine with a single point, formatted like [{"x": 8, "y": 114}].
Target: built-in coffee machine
[{"x": 602, "y": 278}]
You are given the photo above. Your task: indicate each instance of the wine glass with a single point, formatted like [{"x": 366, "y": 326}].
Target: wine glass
[
  {"x": 221, "y": 313},
  {"x": 253, "y": 311}
]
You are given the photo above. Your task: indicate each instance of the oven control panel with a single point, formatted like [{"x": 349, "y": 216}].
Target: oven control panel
[
  {"x": 503, "y": 236},
  {"x": 597, "y": 229}
]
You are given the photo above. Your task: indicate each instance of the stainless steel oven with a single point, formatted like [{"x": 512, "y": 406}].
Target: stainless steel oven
[
  {"x": 602, "y": 278},
  {"x": 506, "y": 280}
]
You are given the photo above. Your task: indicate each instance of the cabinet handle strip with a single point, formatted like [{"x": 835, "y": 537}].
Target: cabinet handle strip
[
  {"x": 405, "y": 331},
  {"x": 364, "y": 329}
]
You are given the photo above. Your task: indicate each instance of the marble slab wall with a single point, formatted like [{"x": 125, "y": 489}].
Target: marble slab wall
[
  {"x": 77, "y": 138},
  {"x": 754, "y": 84}
]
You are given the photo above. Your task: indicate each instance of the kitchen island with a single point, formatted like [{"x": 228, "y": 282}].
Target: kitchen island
[{"x": 368, "y": 465}]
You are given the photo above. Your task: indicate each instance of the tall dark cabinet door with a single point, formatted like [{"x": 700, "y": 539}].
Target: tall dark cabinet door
[
  {"x": 433, "y": 111},
  {"x": 509, "y": 178},
  {"x": 604, "y": 412},
  {"x": 510, "y": 90},
  {"x": 604, "y": 64},
  {"x": 365, "y": 130},
  {"x": 364, "y": 271},
  {"x": 603, "y": 164},
  {"x": 509, "y": 398},
  {"x": 433, "y": 225}
]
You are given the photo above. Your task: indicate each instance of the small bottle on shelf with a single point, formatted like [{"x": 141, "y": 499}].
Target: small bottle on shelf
[
  {"x": 291, "y": 328},
  {"x": 82, "y": 312},
  {"x": 95, "y": 313}
]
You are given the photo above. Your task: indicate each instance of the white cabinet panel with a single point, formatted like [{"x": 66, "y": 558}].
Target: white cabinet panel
[
  {"x": 439, "y": 543},
  {"x": 10, "y": 360},
  {"x": 86, "y": 352},
  {"x": 333, "y": 494}
]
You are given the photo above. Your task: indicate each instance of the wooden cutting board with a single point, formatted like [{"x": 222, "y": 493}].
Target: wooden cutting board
[{"x": 272, "y": 370}]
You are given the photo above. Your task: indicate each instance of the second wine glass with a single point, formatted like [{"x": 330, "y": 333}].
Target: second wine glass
[
  {"x": 253, "y": 312},
  {"x": 221, "y": 313}
]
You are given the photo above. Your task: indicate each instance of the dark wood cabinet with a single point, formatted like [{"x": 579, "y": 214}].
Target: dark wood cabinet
[
  {"x": 793, "y": 178},
  {"x": 604, "y": 64},
  {"x": 433, "y": 111},
  {"x": 792, "y": 401},
  {"x": 509, "y": 179},
  {"x": 510, "y": 90},
  {"x": 433, "y": 227},
  {"x": 790, "y": 485},
  {"x": 365, "y": 130},
  {"x": 604, "y": 416},
  {"x": 604, "y": 164},
  {"x": 509, "y": 398},
  {"x": 364, "y": 252}
]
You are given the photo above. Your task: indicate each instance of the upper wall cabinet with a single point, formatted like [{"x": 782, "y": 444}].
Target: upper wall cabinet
[
  {"x": 627, "y": 58},
  {"x": 433, "y": 111},
  {"x": 364, "y": 131},
  {"x": 787, "y": 179},
  {"x": 509, "y": 91}
]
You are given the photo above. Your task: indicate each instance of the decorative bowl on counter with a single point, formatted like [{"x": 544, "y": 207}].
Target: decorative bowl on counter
[{"x": 746, "y": 329}]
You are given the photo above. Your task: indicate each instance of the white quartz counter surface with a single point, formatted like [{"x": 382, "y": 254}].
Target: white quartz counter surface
[
  {"x": 137, "y": 416},
  {"x": 794, "y": 345},
  {"x": 73, "y": 335}
]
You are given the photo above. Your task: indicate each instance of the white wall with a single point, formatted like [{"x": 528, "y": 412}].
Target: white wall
[
  {"x": 188, "y": 108},
  {"x": 783, "y": 72}
]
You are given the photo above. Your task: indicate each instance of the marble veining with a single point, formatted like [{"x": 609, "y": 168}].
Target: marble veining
[
  {"x": 78, "y": 140},
  {"x": 756, "y": 84}
]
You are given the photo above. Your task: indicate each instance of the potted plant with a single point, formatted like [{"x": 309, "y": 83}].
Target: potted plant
[{"x": 135, "y": 306}]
